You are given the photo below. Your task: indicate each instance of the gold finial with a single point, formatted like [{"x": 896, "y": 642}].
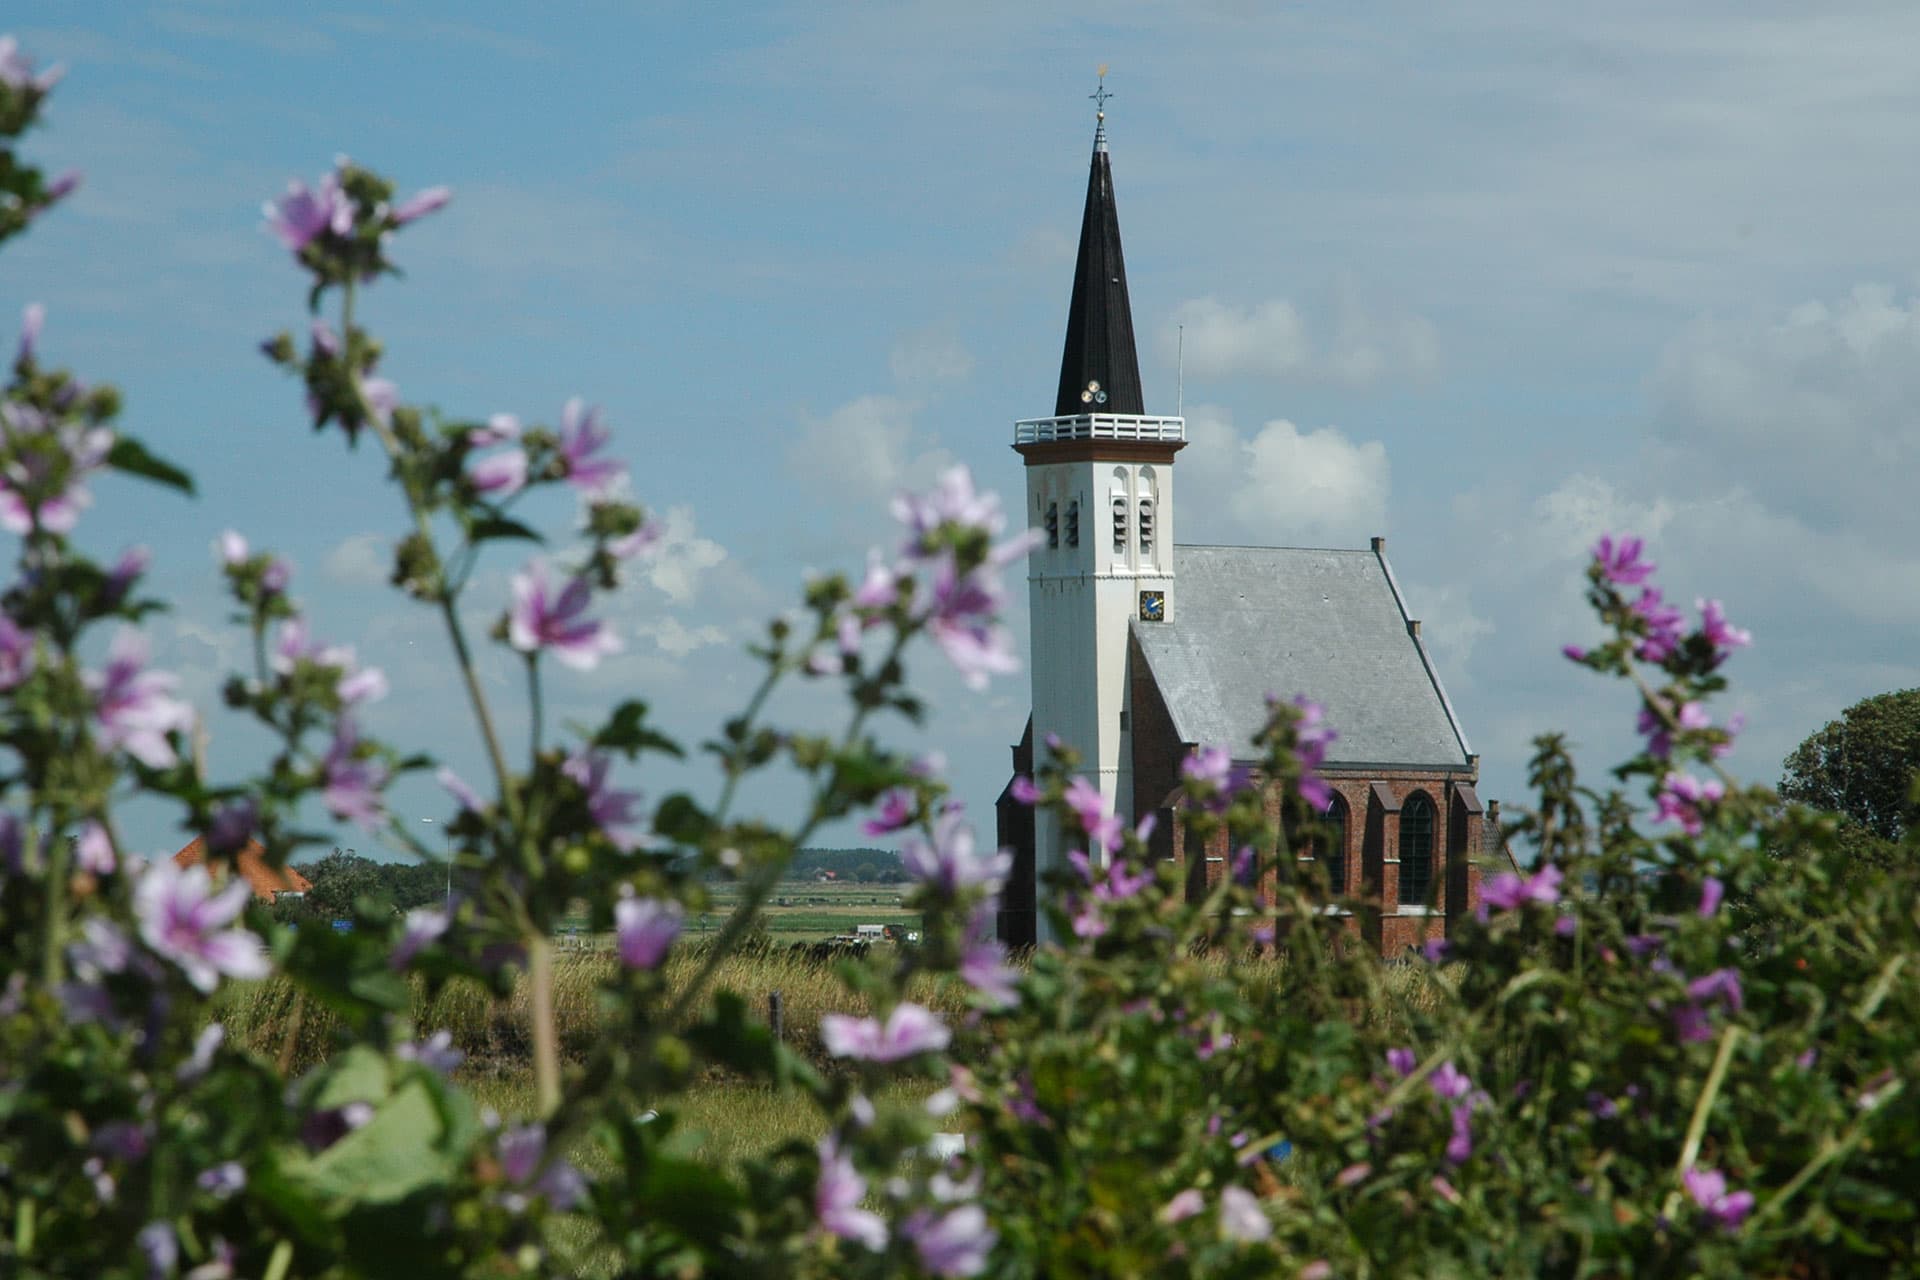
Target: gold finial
[{"x": 1100, "y": 94}]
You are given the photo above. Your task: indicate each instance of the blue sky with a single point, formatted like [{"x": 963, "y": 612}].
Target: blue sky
[{"x": 1486, "y": 278}]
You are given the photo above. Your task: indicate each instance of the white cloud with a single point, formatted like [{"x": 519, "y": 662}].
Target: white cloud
[
  {"x": 1281, "y": 483},
  {"x": 363, "y": 560},
  {"x": 676, "y": 639},
  {"x": 681, "y": 558},
  {"x": 929, "y": 357},
  {"x": 1356, "y": 345},
  {"x": 866, "y": 450}
]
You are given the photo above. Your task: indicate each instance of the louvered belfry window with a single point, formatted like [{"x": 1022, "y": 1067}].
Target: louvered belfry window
[{"x": 1416, "y": 850}]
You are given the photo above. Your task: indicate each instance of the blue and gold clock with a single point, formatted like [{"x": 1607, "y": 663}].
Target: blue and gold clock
[{"x": 1153, "y": 606}]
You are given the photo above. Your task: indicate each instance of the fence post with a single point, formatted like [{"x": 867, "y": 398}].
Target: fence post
[{"x": 775, "y": 1018}]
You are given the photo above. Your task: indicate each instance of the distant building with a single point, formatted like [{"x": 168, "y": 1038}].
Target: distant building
[
  {"x": 266, "y": 882},
  {"x": 1143, "y": 650}
]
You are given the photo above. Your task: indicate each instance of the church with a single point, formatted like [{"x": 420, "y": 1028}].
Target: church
[{"x": 1144, "y": 649}]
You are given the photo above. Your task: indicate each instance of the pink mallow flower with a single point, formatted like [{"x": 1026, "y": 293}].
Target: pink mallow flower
[
  {"x": 1711, "y": 892},
  {"x": 1402, "y": 1061},
  {"x": 1449, "y": 1082},
  {"x": 1620, "y": 561},
  {"x": 582, "y": 436},
  {"x": 954, "y": 1243},
  {"x": 960, "y": 616},
  {"x": 423, "y": 925},
  {"x": 16, "y": 69},
  {"x": 301, "y": 215},
  {"x": 910, "y": 1029},
  {"x": 1241, "y": 1217},
  {"x": 432, "y": 200},
  {"x": 837, "y": 1196},
  {"x": 351, "y": 783},
  {"x": 644, "y": 930},
  {"x": 1691, "y": 716},
  {"x": 1102, "y": 827},
  {"x": 1722, "y": 635},
  {"x": 895, "y": 811},
  {"x": 1666, "y": 626},
  {"x": 1708, "y": 1187},
  {"x": 523, "y": 1160},
  {"x": 538, "y": 620},
  {"x": 1312, "y": 736},
  {"x": 949, "y": 864},
  {"x": 45, "y": 483},
  {"x": 611, "y": 809},
  {"x": 1460, "y": 1145},
  {"x": 135, "y": 709},
  {"x": 182, "y": 918},
  {"x": 16, "y": 653},
  {"x": 1183, "y": 1206},
  {"x": 500, "y": 476},
  {"x": 1680, "y": 797},
  {"x": 1510, "y": 892}
]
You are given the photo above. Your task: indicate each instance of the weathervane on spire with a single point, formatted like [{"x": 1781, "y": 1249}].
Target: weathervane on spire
[{"x": 1100, "y": 96}]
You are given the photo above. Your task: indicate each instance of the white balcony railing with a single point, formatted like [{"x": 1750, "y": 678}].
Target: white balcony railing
[{"x": 1099, "y": 426}]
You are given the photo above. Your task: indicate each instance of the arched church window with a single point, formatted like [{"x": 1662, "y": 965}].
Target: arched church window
[
  {"x": 1073, "y": 523},
  {"x": 1330, "y": 847},
  {"x": 1119, "y": 522},
  {"x": 1053, "y": 524},
  {"x": 1416, "y": 850}
]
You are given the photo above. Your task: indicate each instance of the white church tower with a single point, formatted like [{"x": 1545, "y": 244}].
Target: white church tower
[{"x": 1100, "y": 490}]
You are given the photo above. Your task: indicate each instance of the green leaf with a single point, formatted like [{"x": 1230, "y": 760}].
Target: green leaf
[
  {"x": 132, "y": 457},
  {"x": 493, "y": 527},
  {"x": 626, "y": 731},
  {"x": 680, "y": 819}
]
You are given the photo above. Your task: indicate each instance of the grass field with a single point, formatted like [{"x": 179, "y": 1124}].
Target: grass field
[{"x": 807, "y": 912}]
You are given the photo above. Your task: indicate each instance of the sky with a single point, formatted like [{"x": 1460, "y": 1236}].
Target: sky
[{"x": 1486, "y": 278}]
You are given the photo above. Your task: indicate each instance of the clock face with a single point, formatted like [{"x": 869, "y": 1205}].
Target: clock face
[{"x": 1153, "y": 606}]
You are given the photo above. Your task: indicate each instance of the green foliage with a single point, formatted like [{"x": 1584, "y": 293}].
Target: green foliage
[{"x": 1862, "y": 766}]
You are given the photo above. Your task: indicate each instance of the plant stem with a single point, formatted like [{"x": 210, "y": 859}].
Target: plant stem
[
  {"x": 1702, "y": 1107},
  {"x": 537, "y": 708},
  {"x": 546, "y": 1042},
  {"x": 53, "y": 958}
]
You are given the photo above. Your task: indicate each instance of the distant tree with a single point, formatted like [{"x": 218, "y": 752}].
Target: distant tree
[
  {"x": 1861, "y": 766},
  {"x": 866, "y": 873},
  {"x": 339, "y": 880}
]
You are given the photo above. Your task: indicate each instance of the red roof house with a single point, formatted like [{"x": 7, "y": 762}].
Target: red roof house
[{"x": 265, "y": 881}]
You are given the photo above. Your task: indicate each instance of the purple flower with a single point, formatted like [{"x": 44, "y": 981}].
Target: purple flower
[
  {"x": 909, "y": 1030},
  {"x": 44, "y": 485},
  {"x": 436, "y": 1053},
  {"x": 125, "y": 572},
  {"x": 1722, "y": 985},
  {"x": 611, "y": 809},
  {"x": 16, "y": 653},
  {"x": 134, "y": 708},
  {"x": 581, "y": 437},
  {"x": 1183, "y": 1206},
  {"x": 1691, "y": 716},
  {"x": 423, "y": 925},
  {"x": 1102, "y": 827},
  {"x": 500, "y": 428},
  {"x": 1241, "y": 1217},
  {"x": 1665, "y": 625},
  {"x": 382, "y": 397},
  {"x": 429, "y": 201},
  {"x": 961, "y": 619},
  {"x": 156, "y": 1240},
  {"x": 232, "y": 825},
  {"x": 1449, "y": 1082},
  {"x": 32, "y": 317},
  {"x": 200, "y": 1061},
  {"x": 951, "y": 501},
  {"x": 1573, "y": 653},
  {"x": 1620, "y": 562},
  {"x": 301, "y": 215},
  {"x": 955, "y": 1243},
  {"x": 94, "y": 850},
  {"x": 231, "y": 547},
  {"x": 64, "y": 185},
  {"x": 1460, "y": 1145},
  {"x": 837, "y": 1196},
  {"x": 1680, "y": 797},
  {"x": 643, "y": 929},
  {"x": 643, "y": 540},
  {"x": 880, "y": 588},
  {"x": 180, "y": 920},
  {"x": 1510, "y": 892},
  {"x": 896, "y": 811},
  {"x": 457, "y": 787},
  {"x": 949, "y": 864},
  {"x": 369, "y": 684},
  {"x": 1402, "y": 1061},
  {"x": 502, "y": 475},
  {"x": 1708, "y": 1187},
  {"x": 1711, "y": 892},
  {"x": 16, "y": 69},
  {"x": 1602, "y": 1107},
  {"x": 1690, "y": 1024},
  {"x": 539, "y": 621},
  {"x": 1312, "y": 736},
  {"x": 522, "y": 1154},
  {"x": 223, "y": 1181},
  {"x": 323, "y": 1128},
  {"x": 352, "y": 784},
  {"x": 1806, "y": 1059},
  {"x": 1723, "y": 636},
  {"x": 1435, "y": 949}
]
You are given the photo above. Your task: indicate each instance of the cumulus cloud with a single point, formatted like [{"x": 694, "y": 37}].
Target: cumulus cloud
[
  {"x": 363, "y": 560},
  {"x": 1818, "y": 410},
  {"x": 1280, "y": 483},
  {"x": 929, "y": 357},
  {"x": 676, "y": 639},
  {"x": 682, "y": 557},
  {"x": 867, "y": 450},
  {"x": 1353, "y": 344}
]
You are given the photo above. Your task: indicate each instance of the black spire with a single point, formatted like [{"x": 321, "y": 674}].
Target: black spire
[{"x": 1099, "y": 319}]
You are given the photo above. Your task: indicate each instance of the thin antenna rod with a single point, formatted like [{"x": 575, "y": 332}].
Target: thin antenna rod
[{"x": 1180, "y": 378}]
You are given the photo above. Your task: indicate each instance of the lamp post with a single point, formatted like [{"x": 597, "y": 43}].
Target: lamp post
[{"x": 449, "y": 902}]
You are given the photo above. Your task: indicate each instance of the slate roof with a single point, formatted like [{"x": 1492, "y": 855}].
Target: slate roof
[
  {"x": 1330, "y": 624},
  {"x": 1099, "y": 344}
]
